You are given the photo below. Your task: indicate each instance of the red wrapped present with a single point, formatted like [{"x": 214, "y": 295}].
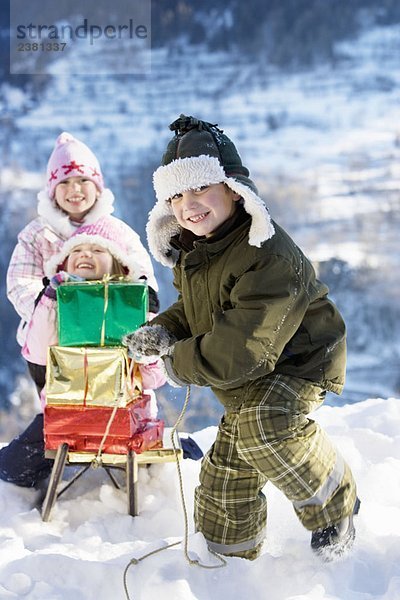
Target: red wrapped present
[
  {"x": 148, "y": 439},
  {"x": 83, "y": 429}
]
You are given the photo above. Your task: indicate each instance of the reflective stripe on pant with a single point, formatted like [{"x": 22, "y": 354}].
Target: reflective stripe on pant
[{"x": 270, "y": 438}]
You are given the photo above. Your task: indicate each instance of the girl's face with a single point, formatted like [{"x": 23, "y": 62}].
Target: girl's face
[
  {"x": 76, "y": 196},
  {"x": 203, "y": 210},
  {"x": 89, "y": 261}
]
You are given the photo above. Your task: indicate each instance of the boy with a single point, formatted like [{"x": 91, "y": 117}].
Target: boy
[{"x": 254, "y": 324}]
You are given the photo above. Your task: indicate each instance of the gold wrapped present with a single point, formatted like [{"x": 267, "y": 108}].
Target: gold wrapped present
[{"x": 90, "y": 377}]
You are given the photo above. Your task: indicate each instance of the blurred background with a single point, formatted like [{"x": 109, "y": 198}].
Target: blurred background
[{"x": 309, "y": 90}]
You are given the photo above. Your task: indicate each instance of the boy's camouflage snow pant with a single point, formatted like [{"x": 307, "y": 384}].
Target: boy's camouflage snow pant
[{"x": 270, "y": 438}]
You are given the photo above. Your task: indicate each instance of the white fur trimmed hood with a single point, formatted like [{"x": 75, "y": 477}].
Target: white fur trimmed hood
[
  {"x": 135, "y": 271},
  {"x": 61, "y": 222},
  {"x": 184, "y": 174}
]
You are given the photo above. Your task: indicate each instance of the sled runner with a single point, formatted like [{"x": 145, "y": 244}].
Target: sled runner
[{"x": 128, "y": 463}]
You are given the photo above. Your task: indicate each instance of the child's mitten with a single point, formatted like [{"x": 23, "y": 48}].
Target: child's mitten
[
  {"x": 148, "y": 343},
  {"x": 63, "y": 277},
  {"x": 58, "y": 279}
]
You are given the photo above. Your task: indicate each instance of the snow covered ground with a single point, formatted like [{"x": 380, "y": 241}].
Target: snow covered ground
[
  {"x": 333, "y": 130},
  {"x": 83, "y": 551}
]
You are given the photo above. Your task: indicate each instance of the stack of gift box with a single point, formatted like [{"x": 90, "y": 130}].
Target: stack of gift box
[{"x": 92, "y": 386}]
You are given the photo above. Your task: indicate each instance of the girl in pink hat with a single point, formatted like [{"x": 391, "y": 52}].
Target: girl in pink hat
[
  {"x": 74, "y": 196},
  {"x": 92, "y": 251}
]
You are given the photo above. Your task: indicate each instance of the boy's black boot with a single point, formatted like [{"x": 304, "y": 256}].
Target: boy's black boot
[{"x": 335, "y": 540}]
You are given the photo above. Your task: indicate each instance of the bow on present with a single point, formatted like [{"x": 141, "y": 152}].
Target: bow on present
[{"x": 105, "y": 281}]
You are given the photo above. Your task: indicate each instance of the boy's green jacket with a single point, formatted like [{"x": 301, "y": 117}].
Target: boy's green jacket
[{"x": 245, "y": 312}]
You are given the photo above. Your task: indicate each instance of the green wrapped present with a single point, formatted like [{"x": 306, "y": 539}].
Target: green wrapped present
[{"x": 99, "y": 313}]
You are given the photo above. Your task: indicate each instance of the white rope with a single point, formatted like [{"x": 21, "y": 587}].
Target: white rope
[
  {"x": 97, "y": 461},
  {"x": 197, "y": 563}
]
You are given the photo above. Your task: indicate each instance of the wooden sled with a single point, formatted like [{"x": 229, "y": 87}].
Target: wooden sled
[{"x": 127, "y": 462}]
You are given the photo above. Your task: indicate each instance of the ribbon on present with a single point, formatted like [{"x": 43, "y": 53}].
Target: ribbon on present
[
  {"x": 135, "y": 377},
  {"x": 105, "y": 281},
  {"x": 132, "y": 383},
  {"x": 85, "y": 377},
  {"x": 97, "y": 460}
]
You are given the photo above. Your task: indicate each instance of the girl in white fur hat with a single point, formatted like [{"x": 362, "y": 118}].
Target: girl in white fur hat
[{"x": 74, "y": 196}]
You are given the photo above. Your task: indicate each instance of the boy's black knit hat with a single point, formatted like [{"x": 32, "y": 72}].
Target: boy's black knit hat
[
  {"x": 194, "y": 137},
  {"x": 200, "y": 155}
]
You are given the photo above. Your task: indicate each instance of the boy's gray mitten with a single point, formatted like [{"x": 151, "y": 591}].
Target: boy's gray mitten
[{"x": 148, "y": 343}]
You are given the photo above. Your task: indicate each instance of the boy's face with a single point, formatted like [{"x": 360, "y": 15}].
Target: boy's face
[
  {"x": 76, "y": 196},
  {"x": 89, "y": 261},
  {"x": 203, "y": 210}
]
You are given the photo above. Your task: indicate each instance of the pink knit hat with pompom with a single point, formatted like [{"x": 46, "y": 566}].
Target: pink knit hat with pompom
[{"x": 72, "y": 158}]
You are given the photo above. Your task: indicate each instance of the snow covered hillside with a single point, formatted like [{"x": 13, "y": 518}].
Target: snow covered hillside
[
  {"x": 83, "y": 551},
  {"x": 322, "y": 145}
]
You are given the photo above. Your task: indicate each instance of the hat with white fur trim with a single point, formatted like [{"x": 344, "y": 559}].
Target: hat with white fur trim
[
  {"x": 198, "y": 155},
  {"x": 72, "y": 158},
  {"x": 105, "y": 233}
]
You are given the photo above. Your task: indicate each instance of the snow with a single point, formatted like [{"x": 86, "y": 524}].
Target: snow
[
  {"x": 333, "y": 129},
  {"x": 83, "y": 550},
  {"x": 12, "y": 179},
  {"x": 348, "y": 251}
]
